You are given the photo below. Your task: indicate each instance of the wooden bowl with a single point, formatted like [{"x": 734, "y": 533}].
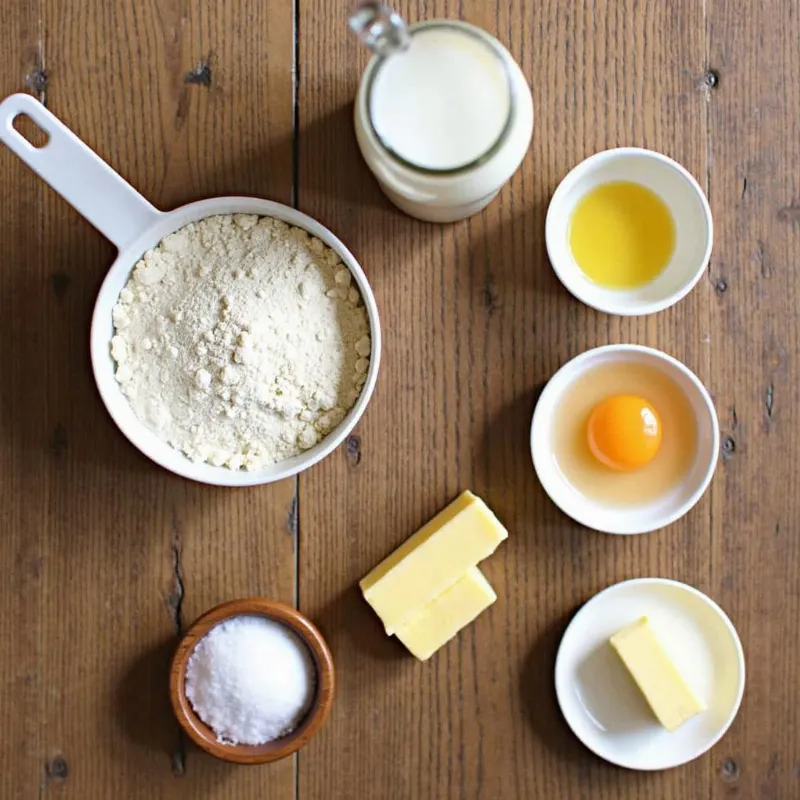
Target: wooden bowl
[{"x": 201, "y": 734}]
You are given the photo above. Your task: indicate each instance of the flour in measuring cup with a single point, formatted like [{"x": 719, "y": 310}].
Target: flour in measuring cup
[{"x": 241, "y": 341}]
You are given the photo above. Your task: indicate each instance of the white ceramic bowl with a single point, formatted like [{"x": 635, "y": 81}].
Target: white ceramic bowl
[
  {"x": 117, "y": 404},
  {"x": 686, "y": 202},
  {"x": 635, "y": 519},
  {"x": 118, "y": 211},
  {"x": 602, "y": 704}
]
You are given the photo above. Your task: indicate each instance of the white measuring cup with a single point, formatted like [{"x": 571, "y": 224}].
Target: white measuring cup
[{"x": 122, "y": 215}]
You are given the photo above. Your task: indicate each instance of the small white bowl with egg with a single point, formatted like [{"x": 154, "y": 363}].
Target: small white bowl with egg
[
  {"x": 687, "y": 205},
  {"x": 624, "y": 517}
]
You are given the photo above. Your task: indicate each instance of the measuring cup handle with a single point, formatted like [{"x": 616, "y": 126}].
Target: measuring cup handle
[{"x": 77, "y": 173}]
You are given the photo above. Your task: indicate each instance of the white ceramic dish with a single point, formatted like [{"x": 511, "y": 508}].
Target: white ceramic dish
[
  {"x": 602, "y": 704},
  {"x": 118, "y": 211},
  {"x": 694, "y": 230},
  {"x": 634, "y": 519}
]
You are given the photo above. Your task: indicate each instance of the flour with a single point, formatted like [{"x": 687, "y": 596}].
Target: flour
[{"x": 241, "y": 341}]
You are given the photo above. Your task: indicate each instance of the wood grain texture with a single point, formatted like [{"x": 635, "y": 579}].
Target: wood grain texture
[
  {"x": 475, "y": 324},
  {"x": 110, "y": 556},
  {"x": 106, "y": 558},
  {"x": 22, "y": 403},
  {"x": 754, "y": 189}
]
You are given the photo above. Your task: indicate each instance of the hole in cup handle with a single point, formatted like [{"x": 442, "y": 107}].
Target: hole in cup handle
[
  {"x": 24, "y": 124},
  {"x": 33, "y": 133}
]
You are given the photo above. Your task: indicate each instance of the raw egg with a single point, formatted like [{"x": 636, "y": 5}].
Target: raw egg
[
  {"x": 624, "y": 432},
  {"x": 621, "y": 458}
]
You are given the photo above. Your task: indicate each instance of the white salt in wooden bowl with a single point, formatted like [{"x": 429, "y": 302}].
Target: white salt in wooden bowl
[{"x": 203, "y": 736}]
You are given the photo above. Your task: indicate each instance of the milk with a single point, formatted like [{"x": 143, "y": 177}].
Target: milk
[
  {"x": 443, "y": 121},
  {"x": 442, "y": 103}
]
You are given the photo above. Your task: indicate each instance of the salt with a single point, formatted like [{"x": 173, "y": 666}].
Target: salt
[{"x": 251, "y": 680}]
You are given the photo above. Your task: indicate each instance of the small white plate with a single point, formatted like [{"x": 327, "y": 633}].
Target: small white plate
[{"x": 603, "y": 705}]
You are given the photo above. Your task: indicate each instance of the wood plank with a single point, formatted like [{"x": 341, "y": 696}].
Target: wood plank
[
  {"x": 755, "y": 194},
  {"x": 105, "y": 555},
  {"x": 23, "y": 447},
  {"x": 475, "y": 322},
  {"x": 115, "y": 555}
]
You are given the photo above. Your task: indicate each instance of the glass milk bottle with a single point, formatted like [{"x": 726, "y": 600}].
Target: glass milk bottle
[{"x": 443, "y": 114}]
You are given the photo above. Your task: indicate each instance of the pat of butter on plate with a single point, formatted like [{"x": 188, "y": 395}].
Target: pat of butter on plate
[
  {"x": 432, "y": 560},
  {"x": 668, "y": 695},
  {"x": 441, "y": 619}
]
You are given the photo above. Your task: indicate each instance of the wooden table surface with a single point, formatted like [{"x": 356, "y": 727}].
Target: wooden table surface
[{"x": 106, "y": 557}]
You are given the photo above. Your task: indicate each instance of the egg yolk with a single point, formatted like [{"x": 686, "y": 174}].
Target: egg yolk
[{"x": 624, "y": 432}]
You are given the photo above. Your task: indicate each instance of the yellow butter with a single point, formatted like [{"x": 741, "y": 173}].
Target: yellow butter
[
  {"x": 669, "y": 697},
  {"x": 433, "y": 559},
  {"x": 441, "y": 619}
]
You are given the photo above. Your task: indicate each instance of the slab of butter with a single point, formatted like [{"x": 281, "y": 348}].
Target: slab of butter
[
  {"x": 440, "y": 620},
  {"x": 433, "y": 559},
  {"x": 667, "y": 694}
]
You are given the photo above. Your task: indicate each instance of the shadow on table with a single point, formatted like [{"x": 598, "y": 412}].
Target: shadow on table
[
  {"x": 323, "y": 154},
  {"x": 144, "y": 711},
  {"x": 506, "y": 439},
  {"x": 538, "y": 695},
  {"x": 142, "y": 701},
  {"x": 513, "y": 490},
  {"x": 350, "y": 616},
  {"x": 330, "y": 164},
  {"x": 516, "y": 255},
  {"x": 49, "y": 404}
]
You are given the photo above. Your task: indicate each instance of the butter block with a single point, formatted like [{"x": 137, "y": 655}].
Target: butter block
[
  {"x": 440, "y": 620},
  {"x": 431, "y": 560},
  {"x": 668, "y": 695}
]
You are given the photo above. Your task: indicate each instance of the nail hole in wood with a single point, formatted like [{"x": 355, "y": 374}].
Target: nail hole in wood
[
  {"x": 57, "y": 768},
  {"x": 769, "y": 399},
  {"x": 730, "y": 770},
  {"x": 201, "y": 74},
  {"x": 709, "y": 80},
  {"x": 352, "y": 448},
  {"x": 36, "y": 80}
]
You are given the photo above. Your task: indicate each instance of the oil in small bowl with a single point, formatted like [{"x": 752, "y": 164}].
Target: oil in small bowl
[{"x": 622, "y": 235}]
